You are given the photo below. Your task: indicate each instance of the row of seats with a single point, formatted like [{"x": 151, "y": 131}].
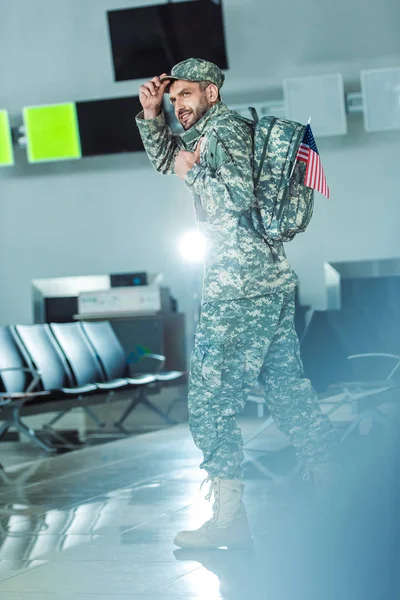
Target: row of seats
[{"x": 60, "y": 366}]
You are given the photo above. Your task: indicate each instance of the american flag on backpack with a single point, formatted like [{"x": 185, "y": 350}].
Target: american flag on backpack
[{"x": 308, "y": 153}]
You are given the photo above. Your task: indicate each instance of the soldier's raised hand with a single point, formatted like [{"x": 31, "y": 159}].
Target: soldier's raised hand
[{"x": 151, "y": 96}]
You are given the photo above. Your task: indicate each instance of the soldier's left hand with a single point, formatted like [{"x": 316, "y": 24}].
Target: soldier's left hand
[{"x": 185, "y": 161}]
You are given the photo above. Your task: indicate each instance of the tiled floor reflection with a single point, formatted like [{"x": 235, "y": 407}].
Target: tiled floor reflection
[{"x": 100, "y": 523}]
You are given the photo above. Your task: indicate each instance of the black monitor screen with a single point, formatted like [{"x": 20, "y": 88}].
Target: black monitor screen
[
  {"x": 108, "y": 126},
  {"x": 150, "y": 40},
  {"x": 128, "y": 279}
]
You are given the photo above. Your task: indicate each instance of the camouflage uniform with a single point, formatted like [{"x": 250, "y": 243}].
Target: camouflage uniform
[{"x": 246, "y": 330}]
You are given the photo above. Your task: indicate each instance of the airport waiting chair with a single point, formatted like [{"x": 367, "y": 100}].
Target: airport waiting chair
[
  {"x": 16, "y": 375},
  {"x": 372, "y": 371},
  {"x": 41, "y": 351},
  {"x": 112, "y": 356},
  {"x": 82, "y": 382},
  {"x": 108, "y": 348},
  {"x": 373, "y": 380},
  {"x": 21, "y": 392},
  {"x": 3, "y": 402},
  {"x": 366, "y": 397},
  {"x": 104, "y": 364},
  {"x": 63, "y": 347}
]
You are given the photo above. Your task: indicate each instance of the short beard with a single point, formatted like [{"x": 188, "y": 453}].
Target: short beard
[{"x": 200, "y": 111}]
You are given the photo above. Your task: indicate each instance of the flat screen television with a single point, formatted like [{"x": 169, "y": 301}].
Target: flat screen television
[
  {"x": 128, "y": 279},
  {"x": 108, "y": 126},
  {"x": 149, "y": 40},
  {"x": 6, "y": 147}
]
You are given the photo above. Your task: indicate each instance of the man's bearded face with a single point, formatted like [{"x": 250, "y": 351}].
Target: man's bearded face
[{"x": 189, "y": 101}]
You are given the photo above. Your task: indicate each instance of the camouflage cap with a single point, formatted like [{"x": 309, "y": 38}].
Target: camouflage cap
[{"x": 196, "y": 69}]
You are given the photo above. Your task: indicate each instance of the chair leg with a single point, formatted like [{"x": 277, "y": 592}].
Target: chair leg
[
  {"x": 255, "y": 462},
  {"x": 352, "y": 427},
  {"x": 378, "y": 416},
  {"x": 141, "y": 399},
  {"x": 30, "y": 433},
  {"x": 260, "y": 410},
  {"x": 93, "y": 416},
  {"x": 337, "y": 405},
  {"x": 60, "y": 438},
  {"x": 3, "y": 475},
  {"x": 278, "y": 480},
  {"x": 58, "y": 417},
  {"x": 4, "y": 428},
  {"x": 127, "y": 411},
  {"x": 374, "y": 414},
  {"x": 158, "y": 411},
  {"x": 259, "y": 430}
]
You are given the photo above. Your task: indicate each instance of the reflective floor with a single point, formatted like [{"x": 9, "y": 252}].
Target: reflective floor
[{"x": 100, "y": 523}]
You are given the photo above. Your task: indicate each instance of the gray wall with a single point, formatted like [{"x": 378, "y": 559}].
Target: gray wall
[{"x": 115, "y": 213}]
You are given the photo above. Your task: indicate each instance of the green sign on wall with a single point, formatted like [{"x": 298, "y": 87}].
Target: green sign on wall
[
  {"x": 52, "y": 133},
  {"x": 6, "y": 147}
]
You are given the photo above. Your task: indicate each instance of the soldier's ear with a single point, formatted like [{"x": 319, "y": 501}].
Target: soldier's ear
[{"x": 212, "y": 93}]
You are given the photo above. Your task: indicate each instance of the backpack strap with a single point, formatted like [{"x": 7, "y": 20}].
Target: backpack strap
[
  {"x": 254, "y": 114},
  {"x": 254, "y": 124},
  {"x": 264, "y": 151}
]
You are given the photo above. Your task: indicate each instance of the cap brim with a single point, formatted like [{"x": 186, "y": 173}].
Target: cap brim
[
  {"x": 170, "y": 79},
  {"x": 165, "y": 77}
]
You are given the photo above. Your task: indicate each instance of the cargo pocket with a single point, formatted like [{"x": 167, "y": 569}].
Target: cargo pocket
[
  {"x": 222, "y": 368},
  {"x": 211, "y": 359}
]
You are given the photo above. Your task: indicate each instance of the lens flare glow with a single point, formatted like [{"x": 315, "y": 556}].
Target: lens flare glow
[{"x": 193, "y": 246}]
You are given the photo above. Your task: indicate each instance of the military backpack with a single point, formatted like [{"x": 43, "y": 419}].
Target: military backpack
[{"x": 284, "y": 205}]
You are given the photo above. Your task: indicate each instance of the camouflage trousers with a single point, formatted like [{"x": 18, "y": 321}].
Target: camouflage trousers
[{"x": 238, "y": 344}]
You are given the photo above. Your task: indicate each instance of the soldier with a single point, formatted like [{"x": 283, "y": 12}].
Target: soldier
[{"x": 246, "y": 331}]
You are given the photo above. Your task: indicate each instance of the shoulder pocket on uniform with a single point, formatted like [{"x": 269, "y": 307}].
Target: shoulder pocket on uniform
[{"x": 216, "y": 154}]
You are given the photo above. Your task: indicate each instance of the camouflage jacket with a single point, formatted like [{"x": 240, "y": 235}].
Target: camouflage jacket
[{"x": 239, "y": 263}]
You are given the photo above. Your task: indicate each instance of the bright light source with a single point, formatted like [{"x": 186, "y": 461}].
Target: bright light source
[{"x": 193, "y": 246}]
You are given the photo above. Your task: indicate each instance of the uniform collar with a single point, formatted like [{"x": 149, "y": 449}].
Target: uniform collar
[{"x": 195, "y": 132}]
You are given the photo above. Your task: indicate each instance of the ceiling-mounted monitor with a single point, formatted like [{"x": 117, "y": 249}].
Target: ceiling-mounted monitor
[
  {"x": 320, "y": 97},
  {"x": 6, "y": 147},
  {"x": 149, "y": 40},
  {"x": 74, "y": 130},
  {"x": 108, "y": 126},
  {"x": 381, "y": 99},
  {"x": 52, "y": 132}
]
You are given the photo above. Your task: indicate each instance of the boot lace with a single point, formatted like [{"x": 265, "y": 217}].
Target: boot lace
[{"x": 212, "y": 491}]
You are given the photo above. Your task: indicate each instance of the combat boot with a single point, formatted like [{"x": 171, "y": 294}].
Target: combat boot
[{"x": 228, "y": 526}]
